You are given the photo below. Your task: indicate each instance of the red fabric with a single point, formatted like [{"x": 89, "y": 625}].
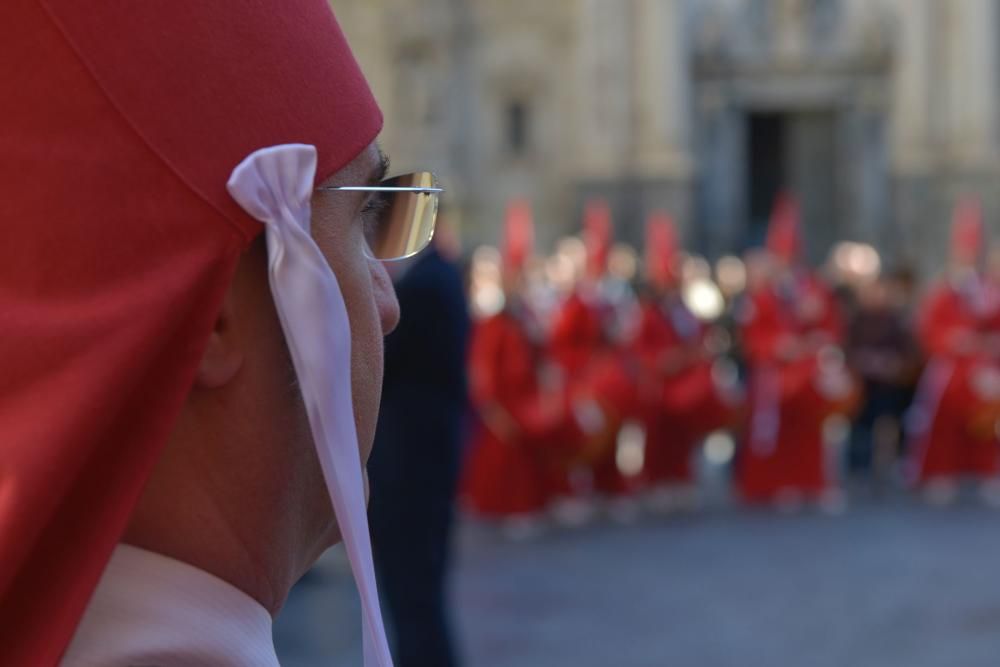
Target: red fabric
[
  {"x": 797, "y": 464},
  {"x": 784, "y": 237},
  {"x": 598, "y": 371},
  {"x": 577, "y": 331},
  {"x": 794, "y": 458},
  {"x": 662, "y": 251},
  {"x": 506, "y": 475},
  {"x": 608, "y": 479},
  {"x": 519, "y": 234},
  {"x": 968, "y": 234},
  {"x": 119, "y": 126},
  {"x": 959, "y": 439},
  {"x": 809, "y": 308},
  {"x": 597, "y": 235},
  {"x": 607, "y": 382},
  {"x": 943, "y": 318},
  {"x": 503, "y": 479},
  {"x": 680, "y": 400},
  {"x": 594, "y": 367}
]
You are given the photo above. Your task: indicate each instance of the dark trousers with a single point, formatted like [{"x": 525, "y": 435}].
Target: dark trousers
[{"x": 413, "y": 482}]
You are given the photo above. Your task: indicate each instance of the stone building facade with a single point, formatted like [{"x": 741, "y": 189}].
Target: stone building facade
[{"x": 877, "y": 113}]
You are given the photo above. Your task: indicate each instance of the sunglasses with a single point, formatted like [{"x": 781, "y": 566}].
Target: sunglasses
[{"x": 404, "y": 210}]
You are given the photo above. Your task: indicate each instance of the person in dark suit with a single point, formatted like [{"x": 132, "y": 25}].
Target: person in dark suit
[{"x": 415, "y": 464}]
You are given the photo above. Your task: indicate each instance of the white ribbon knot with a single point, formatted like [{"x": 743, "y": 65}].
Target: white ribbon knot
[{"x": 275, "y": 185}]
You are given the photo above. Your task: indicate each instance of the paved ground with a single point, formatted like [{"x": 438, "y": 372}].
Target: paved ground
[{"x": 887, "y": 584}]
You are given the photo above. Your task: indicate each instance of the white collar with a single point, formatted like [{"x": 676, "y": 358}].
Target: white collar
[{"x": 149, "y": 609}]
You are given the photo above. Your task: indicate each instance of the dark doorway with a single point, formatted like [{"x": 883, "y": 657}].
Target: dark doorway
[
  {"x": 795, "y": 151},
  {"x": 766, "y": 171},
  {"x": 517, "y": 127}
]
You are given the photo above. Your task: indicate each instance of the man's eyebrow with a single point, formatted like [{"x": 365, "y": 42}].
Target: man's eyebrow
[{"x": 381, "y": 170}]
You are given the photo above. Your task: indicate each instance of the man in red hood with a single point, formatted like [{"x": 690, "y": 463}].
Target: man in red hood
[
  {"x": 185, "y": 406},
  {"x": 505, "y": 476},
  {"x": 682, "y": 394},
  {"x": 955, "y": 413},
  {"x": 792, "y": 332},
  {"x": 586, "y": 342}
]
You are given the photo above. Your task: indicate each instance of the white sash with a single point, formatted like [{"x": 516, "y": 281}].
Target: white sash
[{"x": 275, "y": 186}]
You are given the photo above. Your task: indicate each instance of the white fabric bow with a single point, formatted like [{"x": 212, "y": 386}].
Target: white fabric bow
[{"x": 275, "y": 185}]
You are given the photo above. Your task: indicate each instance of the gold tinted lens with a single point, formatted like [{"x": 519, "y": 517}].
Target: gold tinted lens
[{"x": 406, "y": 225}]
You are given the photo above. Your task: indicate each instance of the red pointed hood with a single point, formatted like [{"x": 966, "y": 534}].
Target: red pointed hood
[
  {"x": 519, "y": 234},
  {"x": 597, "y": 236},
  {"x": 968, "y": 232},
  {"x": 663, "y": 256},
  {"x": 784, "y": 235},
  {"x": 121, "y": 123}
]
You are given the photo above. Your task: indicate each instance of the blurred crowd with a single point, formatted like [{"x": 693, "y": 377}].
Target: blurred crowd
[
  {"x": 603, "y": 383},
  {"x": 598, "y": 377}
]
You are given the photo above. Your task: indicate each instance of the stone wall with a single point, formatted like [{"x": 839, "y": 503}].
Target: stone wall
[{"x": 647, "y": 103}]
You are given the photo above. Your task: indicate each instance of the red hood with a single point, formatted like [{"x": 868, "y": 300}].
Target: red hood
[{"x": 120, "y": 125}]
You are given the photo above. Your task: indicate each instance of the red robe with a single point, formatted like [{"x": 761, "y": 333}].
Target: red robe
[
  {"x": 784, "y": 444},
  {"x": 596, "y": 370},
  {"x": 958, "y": 401},
  {"x": 680, "y": 399},
  {"x": 505, "y": 473}
]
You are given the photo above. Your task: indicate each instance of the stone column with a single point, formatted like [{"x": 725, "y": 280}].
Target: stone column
[
  {"x": 602, "y": 87},
  {"x": 662, "y": 89},
  {"x": 660, "y": 161},
  {"x": 722, "y": 192},
  {"x": 911, "y": 90},
  {"x": 972, "y": 89},
  {"x": 914, "y": 125},
  {"x": 960, "y": 88}
]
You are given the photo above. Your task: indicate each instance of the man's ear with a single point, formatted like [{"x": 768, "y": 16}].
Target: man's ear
[{"x": 223, "y": 356}]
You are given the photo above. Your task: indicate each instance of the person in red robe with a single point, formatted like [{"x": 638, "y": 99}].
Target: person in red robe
[
  {"x": 585, "y": 344},
  {"x": 508, "y": 473},
  {"x": 792, "y": 332},
  {"x": 953, "y": 422},
  {"x": 683, "y": 393}
]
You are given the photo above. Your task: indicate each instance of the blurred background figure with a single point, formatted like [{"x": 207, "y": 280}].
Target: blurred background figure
[
  {"x": 414, "y": 466},
  {"x": 586, "y": 342},
  {"x": 882, "y": 350},
  {"x": 518, "y": 404},
  {"x": 685, "y": 389},
  {"x": 958, "y": 402},
  {"x": 792, "y": 331}
]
